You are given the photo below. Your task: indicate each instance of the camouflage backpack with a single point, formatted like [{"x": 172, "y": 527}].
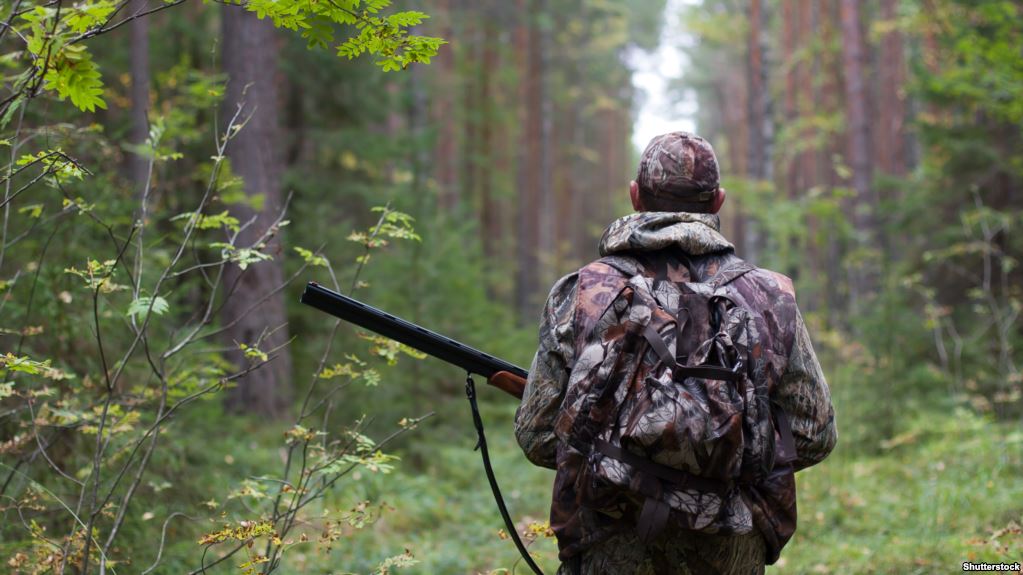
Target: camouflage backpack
[{"x": 664, "y": 406}]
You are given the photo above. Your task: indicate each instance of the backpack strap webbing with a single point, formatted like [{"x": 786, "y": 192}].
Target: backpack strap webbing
[
  {"x": 636, "y": 262},
  {"x": 702, "y": 371},
  {"x": 674, "y": 476},
  {"x": 654, "y": 514}
]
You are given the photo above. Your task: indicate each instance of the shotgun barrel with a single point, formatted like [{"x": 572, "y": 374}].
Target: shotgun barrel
[{"x": 431, "y": 343}]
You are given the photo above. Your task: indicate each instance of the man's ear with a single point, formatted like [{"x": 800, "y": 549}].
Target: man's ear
[
  {"x": 719, "y": 198},
  {"x": 634, "y": 194}
]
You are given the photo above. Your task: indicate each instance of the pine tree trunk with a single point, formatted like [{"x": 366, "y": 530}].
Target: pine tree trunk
[
  {"x": 529, "y": 164},
  {"x": 444, "y": 159},
  {"x": 862, "y": 281},
  {"x": 757, "y": 103},
  {"x": 490, "y": 220},
  {"x": 834, "y": 89},
  {"x": 545, "y": 159},
  {"x": 890, "y": 141},
  {"x": 807, "y": 162},
  {"x": 249, "y": 54},
  {"x": 468, "y": 70},
  {"x": 791, "y": 112}
]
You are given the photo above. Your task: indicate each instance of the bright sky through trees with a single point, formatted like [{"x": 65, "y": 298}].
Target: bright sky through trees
[{"x": 658, "y": 111}]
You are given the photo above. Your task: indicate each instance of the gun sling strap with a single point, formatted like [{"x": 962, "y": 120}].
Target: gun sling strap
[{"x": 481, "y": 445}]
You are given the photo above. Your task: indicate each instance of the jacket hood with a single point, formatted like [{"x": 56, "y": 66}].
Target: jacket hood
[{"x": 695, "y": 234}]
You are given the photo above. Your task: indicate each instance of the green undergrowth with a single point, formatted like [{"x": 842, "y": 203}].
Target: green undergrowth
[
  {"x": 945, "y": 487},
  {"x": 443, "y": 509},
  {"x": 949, "y": 490}
]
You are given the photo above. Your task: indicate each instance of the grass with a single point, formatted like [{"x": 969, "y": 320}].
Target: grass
[
  {"x": 941, "y": 486},
  {"x": 951, "y": 490},
  {"x": 944, "y": 487}
]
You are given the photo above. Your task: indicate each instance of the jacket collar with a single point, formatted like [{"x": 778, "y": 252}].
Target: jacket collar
[{"x": 695, "y": 234}]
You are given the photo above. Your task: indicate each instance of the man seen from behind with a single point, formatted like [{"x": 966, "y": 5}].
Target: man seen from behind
[{"x": 674, "y": 235}]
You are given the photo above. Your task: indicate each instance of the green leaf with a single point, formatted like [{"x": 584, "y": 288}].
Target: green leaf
[
  {"x": 311, "y": 258},
  {"x": 27, "y": 365},
  {"x": 210, "y": 221},
  {"x": 97, "y": 276},
  {"x": 241, "y": 256},
  {"x": 33, "y": 210},
  {"x": 89, "y": 14},
  {"x": 388, "y": 349},
  {"x": 140, "y": 307},
  {"x": 405, "y": 19},
  {"x": 319, "y": 33},
  {"x": 370, "y": 377},
  {"x": 253, "y": 352},
  {"x": 58, "y": 167},
  {"x": 74, "y": 75}
]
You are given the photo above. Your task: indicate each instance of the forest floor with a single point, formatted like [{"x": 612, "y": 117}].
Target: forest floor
[{"x": 947, "y": 488}]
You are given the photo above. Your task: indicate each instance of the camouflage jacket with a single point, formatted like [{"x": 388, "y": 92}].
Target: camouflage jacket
[{"x": 593, "y": 543}]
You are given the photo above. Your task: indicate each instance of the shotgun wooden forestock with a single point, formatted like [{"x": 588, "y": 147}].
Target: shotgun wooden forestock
[
  {"x": 505, "y": 376},
  {"x": 508, "y": 382}
]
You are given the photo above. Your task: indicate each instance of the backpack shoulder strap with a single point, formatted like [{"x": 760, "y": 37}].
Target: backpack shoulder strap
[
  {"x": 730, "y": 273},
  {"x": 634, "y": 264},
  {"x": 626, "y": 265}
]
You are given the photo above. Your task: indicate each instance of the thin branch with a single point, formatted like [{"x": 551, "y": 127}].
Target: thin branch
[
  {"x": 105, "y": 29},
  {"x": 163, "y": 539}
]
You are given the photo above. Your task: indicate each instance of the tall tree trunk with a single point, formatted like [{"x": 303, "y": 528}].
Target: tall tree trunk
[
  {"x": 249, "y": 54},
  {"x": 445, "y": 160},
  {"x": 806, "y": 162},
  {"x": 757, "y": 103},
  {"x": 837, "y": 291},
  {"x": 584, "y": 173},
  {"x": 804, "y": 97},
  {"x": 490, "y": 220},
  {"x": 502, "y": 124},
  {"x": 138, "y": 165},
  {"x": 863, "y": 281},
  {"x": 891, "y": 141},
  {"x": 567, "y": 215},
  {"x": 789, "y": 44},
  {"x": 545, "y": 207},
  {"x": 468, "y": 70},
  {"x": 529, "y": 165},
  {"x": 418, "y": 120},
  {"x": 732, "y": 87}
]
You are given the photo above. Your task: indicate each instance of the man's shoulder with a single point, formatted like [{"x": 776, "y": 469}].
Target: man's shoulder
[
  {"x": 607, "y": 274},
  {"x": 568, "y": 286},
  {"x": 772, "y": 296},
  {"x": 772, "y": 281},
  {"x": 585, "y": 292},
  {"x": 608, "y": 266}
]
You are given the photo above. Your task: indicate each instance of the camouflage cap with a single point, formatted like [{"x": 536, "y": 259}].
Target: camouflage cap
[{"x": 678, "y": 168}]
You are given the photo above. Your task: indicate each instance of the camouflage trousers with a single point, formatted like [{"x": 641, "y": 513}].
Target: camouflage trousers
[{"x": 672, "y": 554}]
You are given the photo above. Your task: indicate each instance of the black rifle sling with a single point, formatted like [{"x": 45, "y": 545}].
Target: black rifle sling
[{"x": 481, "y": 445}]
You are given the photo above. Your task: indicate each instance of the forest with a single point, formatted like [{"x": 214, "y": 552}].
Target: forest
[{"x": 174, "y": 172}]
